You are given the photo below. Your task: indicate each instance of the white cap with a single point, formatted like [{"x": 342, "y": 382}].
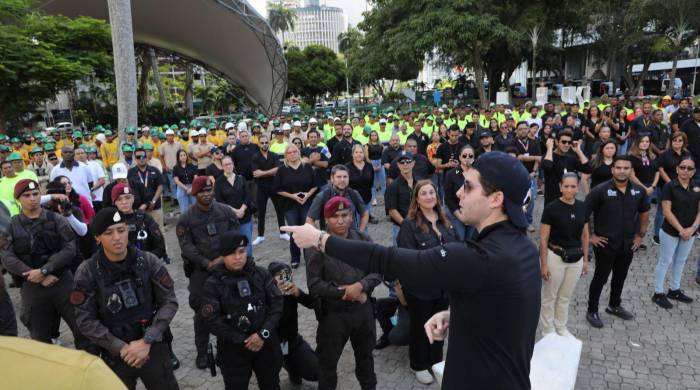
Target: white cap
[
  {"x": 242, "y": 126},
  {"x": 336, "y": 119},
  {"x": 119, "y": 171},
  {"x": 508, "y": 111},
  {"x": 382, "y": 121},
  {"x": 194, "y": 133},
  {"x": 202, "y": 131},
  {"x": 313, "y": 120},
  {"x": 229, "y": 125},
  {"x": 297, "y": 124},
  {"x": 100, "y": 137},
  {"x": 169, "y": 132},
  {"x": 287, "y": 127},
  {"x": 441, "y": 110}
]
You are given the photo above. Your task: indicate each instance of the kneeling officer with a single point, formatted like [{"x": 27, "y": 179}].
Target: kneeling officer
[
  {"x": 124, "y": 300},
  {"x": 242, "y": 305}
]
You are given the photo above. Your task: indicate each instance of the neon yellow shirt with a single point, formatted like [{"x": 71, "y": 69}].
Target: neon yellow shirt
[{"x": 109, "y": 151}]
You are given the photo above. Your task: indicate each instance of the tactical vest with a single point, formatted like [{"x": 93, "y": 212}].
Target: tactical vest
[
  {"x": 125, "y": 299},
  {"x": 236, "y": 308},
  {"x": 138, "y": 234},
  {"x": 35, "y": 249}
]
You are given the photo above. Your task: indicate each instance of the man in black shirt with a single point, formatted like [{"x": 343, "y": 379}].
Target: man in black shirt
[
  {"x": 264, "y": 166},
  {"x": 342, "y": 151},
  {"x": 152, "y": 180},
  {"x": 317, "y": 156},
  {"x": 641, "y": 125},
  {"x": 621, "y": 215},
  {"x": 529, "y": 154},
  {"x": 558, "y": 161},
  {"x": 398, "y": 193},
  {"x": 422, "y": 167},
  {"x": 446, "y": 155},
  {"x": 659, "y": 132},
  {"x": 485, "y": 142},
  {"x": 391, "y": 152},
  {"x": 338, "y": 125},
  {"x": 681, "y": 115},
  {"x": 691, "y": 128},
  {"x": 422, "y": 139},
  {"x": 242, "y": 156}
]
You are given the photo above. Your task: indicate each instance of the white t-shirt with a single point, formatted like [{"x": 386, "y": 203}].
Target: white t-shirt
[
  {"x": 97, "y": 173},
  {"x": 80, "y": 176}
]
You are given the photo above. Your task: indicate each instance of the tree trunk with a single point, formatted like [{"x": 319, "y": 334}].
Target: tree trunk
[
  {"x": 124, "y": 63},
  {"x": 534, "y": 74},
  {"x": 143, "y": 82},
  {"x": 156, "y": 76},
  {"x": 3, "y": 118},
  {"x": 479, "y": 77},
  {"x": 672, "y": 77},
  {"x": 189, "y": 79}
]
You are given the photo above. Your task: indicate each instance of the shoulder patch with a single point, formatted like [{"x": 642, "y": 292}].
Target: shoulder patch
[
  {"x": 163, "y": 277},
  {"x": 77, "y": 297},
  {"x": 207, "y": 310},
  {"x": 180, "y": 231}
]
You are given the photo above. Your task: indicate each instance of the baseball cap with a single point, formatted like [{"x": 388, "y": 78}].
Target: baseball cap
[
  {"x": 509, "y": 176},
  {"x": 202, "y": 131},
  {"x": 119, "y": 171},
  {"x": 287, "y": 127},
  {"x": 169, "y": 132},
  {"x": 405, "y": 156},
  {"x": 297, "y": 124},
  {"x": 229, "y": 125},
  {"x": 313, "y": 120},
  {"x": 194, "y": 133},
  {"x": 666, "y": 98},
  {"x": 485, "y": 133},
  {"x": 382, "y": 121}
]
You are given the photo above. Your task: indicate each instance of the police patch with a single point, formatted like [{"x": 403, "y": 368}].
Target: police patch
[
  {"x": 77, "y": 297},
  {"x": 207, "y": 310},
  {"x": 180, "y": 231},
  {"x": 163, "y": 278}
]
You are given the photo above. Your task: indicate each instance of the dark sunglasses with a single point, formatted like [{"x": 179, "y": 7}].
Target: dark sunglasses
[
  {"x": 140, "y": 156},
  {"x": 565, "y": 142},
  {"x": 686, "y": 168},
  {"x": 264, "y": 143},
  {"x": 405, "y": 162},
  {"x": 467, "y": 156}
]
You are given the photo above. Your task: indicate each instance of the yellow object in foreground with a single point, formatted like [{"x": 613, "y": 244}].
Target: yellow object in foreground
[{"x": 28, "y": 364}]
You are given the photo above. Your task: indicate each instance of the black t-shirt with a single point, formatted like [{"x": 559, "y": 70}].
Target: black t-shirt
[
  {"x": 398, "y": 196},
  {"x": 528, "y": 148},
  {"x": 151, "y": 178},
  {"x": 600, "y": 174},
  {"x": 679, "y": 117},
  {"x": 645, "y": 169},
  {"x": 242, "y": 157},
  {"x": 669, "y": 160},
  {"x": 293, "y": 181},
  {"x": 692, "y": 130},
  {"x": 213, "y": 170},
  {"x": 235, "y": 195},
  {"x": 616, "y": 214},
  {"x": 389, "y": 154},
  {"x": 375, "y": 151},
  {"x": 422, "y": 140},
  {"x": 554, "y": 170},
  {"x": 447, "y": 151},
  {"x": 322, "y": 174},
  {"x": 362, "y": 181},
  {"x": 263, "y": 163},
  {"x": 454, "y": 180},
  {"x": 566, "y": 222},
  {"x": 684, "y": 204},
  {"x": 186, "y": 174},
  {"x": 501, "y": 143}
]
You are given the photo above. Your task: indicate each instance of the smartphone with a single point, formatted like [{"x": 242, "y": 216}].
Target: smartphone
[{"x": 301, "y": 195}]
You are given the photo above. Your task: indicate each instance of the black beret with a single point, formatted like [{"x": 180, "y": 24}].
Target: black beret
[
  {"x": 230, "y": 241},
  {"x": 104, "y": 219}
]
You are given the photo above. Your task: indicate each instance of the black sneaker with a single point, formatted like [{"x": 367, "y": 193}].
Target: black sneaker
[
  {"x": 382, "y": 343},
  {"x": 174, "y": 361},
  {"x": 656, "y": 241},
  {"x": 594, "y": 320},
  {"x": 202, "y": 361},
  {"x": 619, "y": 311},
  {"x": 679, "y": 296},
  {"x": 661, "y": 300}
]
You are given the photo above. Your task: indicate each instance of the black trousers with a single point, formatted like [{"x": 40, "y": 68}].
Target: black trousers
[
  {"x": 615, "y": 259},
  {"x": 8, "y": 322},
  {"x": 261, "y": 197},
  {"x": 156, "y": 374},
  {"x": 201, "y": 330},
  {"x": 238, "y": 363},
  {"x": 421, "y": 353},
  {"x": 42, "y": 307},
  {"x": 384, "y": 309},
  {"x": 334, "y": 330},
  {"x": 301, "y": 361}
]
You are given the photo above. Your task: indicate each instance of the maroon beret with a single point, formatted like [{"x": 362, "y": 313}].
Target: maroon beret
[
  {"x": 25, "y": 185},
  {"x": 200, "y": 183},
  {"x": 120, "y": 189},
  {"x": 335, "y": 204}
]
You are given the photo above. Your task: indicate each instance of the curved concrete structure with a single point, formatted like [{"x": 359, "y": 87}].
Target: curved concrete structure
[{"x": 227, "y": 37}]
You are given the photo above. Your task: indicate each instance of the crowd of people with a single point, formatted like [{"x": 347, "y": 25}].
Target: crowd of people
[{"x": 600, "y": 167}]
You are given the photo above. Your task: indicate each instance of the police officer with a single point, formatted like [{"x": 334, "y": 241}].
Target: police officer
[
  {"x": 38, "y": 249},
  {"x": 242, "y": 305},
  {"x": 198, "y": 231},
  {"x": 124, "y": 300},
  {"x": 345, "y": 310},
  {"x": 494, "y": 288},
  {"x": 8, "y": 322}
]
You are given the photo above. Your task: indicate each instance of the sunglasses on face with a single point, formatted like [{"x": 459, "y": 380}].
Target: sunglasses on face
[
  {"x": 686, "y": 168},
  {"x": 141, "y": 156},
  {"x": 405, "y": 162},
  {"x": 264, "y": 143},
  {"x": 467, "y": 156},
  {"x": 565, "y": 142}
]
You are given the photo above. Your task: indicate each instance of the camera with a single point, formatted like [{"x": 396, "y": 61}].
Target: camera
[{"x": 126, "y": 290}]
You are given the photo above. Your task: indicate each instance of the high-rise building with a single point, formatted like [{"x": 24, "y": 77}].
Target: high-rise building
[{"x": 316, "y": 24}]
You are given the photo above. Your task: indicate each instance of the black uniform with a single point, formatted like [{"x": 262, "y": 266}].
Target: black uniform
[
  {"x": 235, "y": 306},
  {"x": 198, "y": 233},
  {"x": 8, "y": 322},
  {"x": 145, "y": 234},
  {"x": 120, "y": 302},
  {"x": 45, "y": 243},
  {"x": 342, "y": 320}
]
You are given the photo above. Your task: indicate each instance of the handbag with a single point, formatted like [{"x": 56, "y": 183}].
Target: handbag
[{"x": 568, "y": 255}]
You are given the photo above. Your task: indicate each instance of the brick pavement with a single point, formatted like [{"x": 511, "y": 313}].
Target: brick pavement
[{"x": 659, "y": 349}]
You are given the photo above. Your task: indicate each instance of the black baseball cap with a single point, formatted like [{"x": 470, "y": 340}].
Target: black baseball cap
[{"x": 509, "y": 176}]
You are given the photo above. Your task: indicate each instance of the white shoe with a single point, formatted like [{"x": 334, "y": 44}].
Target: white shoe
[
  {"x": 424, "y": 377},
  {"x": 285, "y": 236},
  {"x": 258, "y": 240},
  {"x": 374, "y": 202},
  {"x": 565, "y": 333},
  {"x": 531, "y": 229},
  {"x": 56, "y": 342}
]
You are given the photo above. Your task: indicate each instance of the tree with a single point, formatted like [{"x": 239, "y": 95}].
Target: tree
[
  {"x": 680, "y": 23},
  {"x": 281, "y": 18},
  {"x": 41, "y": 55},
  {"x": 313, "y": 72}
]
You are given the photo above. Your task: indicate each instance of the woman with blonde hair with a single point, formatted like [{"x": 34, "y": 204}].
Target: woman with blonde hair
[{"x": 425, "y": 226}]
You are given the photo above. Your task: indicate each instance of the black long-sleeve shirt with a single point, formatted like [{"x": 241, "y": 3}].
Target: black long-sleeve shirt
[
  {"x": 497, "y": 284},
  {"x": 288, "y": 327}
]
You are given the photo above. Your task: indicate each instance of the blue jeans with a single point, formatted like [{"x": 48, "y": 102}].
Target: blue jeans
[
  {"x": 659, "y": 217},
  {"x": 184, "y": 200},
  {"x": 379, "y": 178},
  {"x": 674, "y": 252},
  {"x": 460, "y": 228},
  {"x": 247, "y": 230},
  {"x": 394, "y": 232},
  {"x": 437, "y": 180},
  {"x": 296, "y": 216},
  {"x": 171, "y": 188},
  {"x": 622, "y": 148},
  {"x": 533, "y": 197}
]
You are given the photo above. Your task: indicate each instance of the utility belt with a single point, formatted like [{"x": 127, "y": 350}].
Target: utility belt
[
  {"x": 568, "y": 255},
  {"x": 43, "y": 259}
]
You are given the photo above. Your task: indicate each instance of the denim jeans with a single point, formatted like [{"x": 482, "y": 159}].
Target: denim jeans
[
  {"x": 394, "y": 232},
  {"x": 379, "y": 178},
  {"x": 296, "y": 215},
  {"x": 460, "y": 228},
  {"x": 247, "y": 230},
  {"x": 674, "y": 252},
  {"x": 184, "y": 200},
  {"x": 533, "y": 197},
  {"x": 171, "y": 188},
  {"x": 659, "y": 217},
  {"x": 437, "y": 179}
]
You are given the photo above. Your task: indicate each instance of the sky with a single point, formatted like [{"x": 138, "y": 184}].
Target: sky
[{"x": 353, "y": 8}]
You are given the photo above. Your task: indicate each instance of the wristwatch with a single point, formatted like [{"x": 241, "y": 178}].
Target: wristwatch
[
  {"x": 148, "y": 339},
  {"x": 44, "y": 271},
  {"x": 264, "y": 333}
]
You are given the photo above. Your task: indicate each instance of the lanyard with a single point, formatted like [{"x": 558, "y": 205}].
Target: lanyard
[
  {"x": 145, "y": 183},
  {"x": 524, "y": 145}
]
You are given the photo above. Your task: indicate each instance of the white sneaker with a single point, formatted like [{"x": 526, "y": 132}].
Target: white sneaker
[
  {"x": 565, "y": 333},
  {"x": 531, "y": 229},
  {"x": 285, "y": 236},
  {"x": 374, "y": 202},
  {"x": 258, "y": 240},
  {"x": 424, "y": 377},
  {"x": 56, "y": 342}
]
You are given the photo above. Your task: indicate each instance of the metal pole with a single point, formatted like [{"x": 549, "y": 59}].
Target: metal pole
[
  {"x": 695, "y": 65},
  {"x": 347, "y": 86}
]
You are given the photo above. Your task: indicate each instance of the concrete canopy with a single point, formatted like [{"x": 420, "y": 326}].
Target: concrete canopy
[{"x": 227, "y": 37}]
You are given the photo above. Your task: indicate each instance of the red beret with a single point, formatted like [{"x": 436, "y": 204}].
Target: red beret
[
  {"x": 120, "y": 189},
  {"x": 25, "y": 185},
  {"x": 200, "y": 183},
  {"x": 335, "y": 204}
]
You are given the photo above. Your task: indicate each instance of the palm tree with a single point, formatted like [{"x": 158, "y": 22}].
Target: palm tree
[
  {"x": 349, "y": 39},
  {"x": 124, "y": 62},
  {"x": 281, "y": 18}
]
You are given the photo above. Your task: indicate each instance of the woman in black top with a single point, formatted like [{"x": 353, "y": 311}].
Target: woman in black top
[
  {"x": 184, "y": 173},
  {"x": 668, "y": 161},
  {"x": 454, "y": 180},
  {"x": 622, "y": 133},
  {"x": 295, "y": 184},
  {"x": 425, "y": 227},
  {"x": 601, "y": 164},
  {"x": 679, "y": 201},
  {"x": 644, "y": 163},
  {"x": 563, "y": 230},
  {"x": 215, "y": 169},
  {"x": 361, "y": 175},
  {"x": 231, "y": 189},
  {"x": 373, "y": 151}
]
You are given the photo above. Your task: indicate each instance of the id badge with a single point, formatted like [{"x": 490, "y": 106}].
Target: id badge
[
  {"x": 211, "y": 229},
  {"x": 285, "y": 348}
]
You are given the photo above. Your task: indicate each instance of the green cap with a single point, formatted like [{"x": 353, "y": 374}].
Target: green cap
[
  {"x": 108, "y": 127},
  {"x": 77, "y": 134},
  {"x": 212, "y": 126},
  {"x": 127, "y": 148},
  {"x": 367, "y": 129},
  {"x": 14, "y": 156},
  {"x": 3, "y": 137},
  {"x": 36, "y": 150},
  {"x": 108, "y": 133},
  {"x": 49, "y": 147},
  {"x": 147, "y": 146},
  {"x": 129, "y": 130},
  {"x": 84, "y": 147},
  {"x": 15, "y": 140},
  {"x": 161, "y": 135},
  {"x": 4, "y": 148}
]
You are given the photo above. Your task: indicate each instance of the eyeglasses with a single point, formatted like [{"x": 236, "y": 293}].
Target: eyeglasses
[
  {"x": 264, "y": 143},
  {"x": 405, "y": 162},
  {"x": 467, "y": 156},
  {"x": 141, "y": 156},
  {"x": 686, "y": 168},
  {"x": 677, "y": 140},
  {"x": 565, "y": 142}
]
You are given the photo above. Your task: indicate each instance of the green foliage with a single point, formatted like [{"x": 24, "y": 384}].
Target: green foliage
[
  {"x": 281, "y": 18},
  {"x": 41, "y": 55},
  {"x": 313, "y": 72}
]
